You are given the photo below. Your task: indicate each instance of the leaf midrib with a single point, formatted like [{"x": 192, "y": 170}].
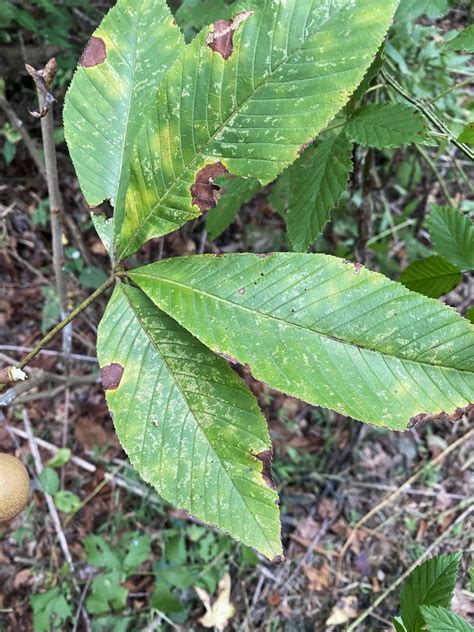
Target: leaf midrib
[
  {"x": 183, "y": 395},
  {"x": 200, "y": 152},
  {"x": 294, "y": 325}
]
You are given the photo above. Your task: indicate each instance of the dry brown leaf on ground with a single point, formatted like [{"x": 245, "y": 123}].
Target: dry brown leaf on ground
[
  {"x": 343, "y": 611},
  {"x": 319, "y": 578},
  {"x": 221, "y": 611}
]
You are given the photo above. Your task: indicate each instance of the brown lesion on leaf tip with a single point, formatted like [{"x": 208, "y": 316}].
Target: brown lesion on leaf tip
[
  {"x": 94, "y": 53},
  {"x": 111, "y": 375},
  {"x": 221, "y": 38},
  {"x": 266, "y": 458},
  {"x": 205, "y": 193},
  {"x": 277, "y": 560},
  {"x": 443, "y": 416}
]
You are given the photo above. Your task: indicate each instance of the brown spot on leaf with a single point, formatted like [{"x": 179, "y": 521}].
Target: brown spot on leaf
[
  {"x": 228, "y": 357},
  {"x": 357, "y": 266},
  {"x": 94, "y": 53},
  {"x": 111, "y": 376},
  {"x": 204, "y": 192},
  {"x": 242, "y": 291},
  {"x": 266, "y": 458},
  {"x": 221, "y": 38},
  {"x": 443, "y": 416},
  {"x": 278, "y": 559}
]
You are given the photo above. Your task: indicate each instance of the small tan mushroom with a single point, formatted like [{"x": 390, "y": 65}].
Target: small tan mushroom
[{"x": 14, "y": 487}]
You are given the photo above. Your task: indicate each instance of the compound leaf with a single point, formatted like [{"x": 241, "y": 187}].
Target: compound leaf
[
  {"x": 235, "y": 192},
  {"x": 432, "y": 277},
  {"x": 187, "y": 422},
  {"x": 430, "y": 584},
  {"x": 443, "y": 620},
  {"x": 317, "y": 181},
  {"x": 452, "y": 234},
  {"x": 324, "y": 330},
  {"x": 112, "y": 91},
  {"x": 244, "y": 97},
  {"x": 383, "y": 125}
]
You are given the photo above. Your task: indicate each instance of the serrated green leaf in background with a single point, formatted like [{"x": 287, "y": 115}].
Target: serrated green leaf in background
[
  {"x": 189, "y": 425},
  {"x": 235, "y": 192},
  {"x": 193, "y": 15},
  {"x": 433, "y": 277},
  {"x": 112, "y": 91},
  {"x": 463, "y": 41},
  {"x": 430, "y": 584},
  {"x": 327, "y": 331},
  {"x": 249, "y": 108},
  {"x": 452, "y": 234},
  {"x": 470, "y": 314},
  {"x": 317, "y": 181},
  {"x": 433, "y": 9},
  {"x": 383, "y": 125},
  {"x": 443, "y": 620}
]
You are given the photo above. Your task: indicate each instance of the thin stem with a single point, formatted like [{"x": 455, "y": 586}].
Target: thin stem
[
  {"x": 43, "y": 79},
  {"x": 456, "y": 86},
  {"x": 60, "y": 326},
  {"x": 428, "y": 113},
  {"x": 438, "y": 176}
]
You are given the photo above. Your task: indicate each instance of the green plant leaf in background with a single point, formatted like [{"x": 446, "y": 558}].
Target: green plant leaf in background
[
  {"x": 463, "y": 41},
  {"x": 383, "y": 125},
  {"x": 443, "y": 620},
  {"x": 430, "y": 584},
  {"x": 112, "y": 91},
  {"x": 432, "y": 277},
  {"x": 452, "y": 234},
  {"x": 317, "y": 181},
  {"x": 398, "y": 625},
  {"x": 324, "y": 330},
  {"x": 467, "y": 135},
  {"x": 433, "y": 9},
  {"x": 247, "y": 102},
  {"x": 193, "y": 15},
  {"x": 187, "y": 422},
  {"x": 235, "y": 192}
]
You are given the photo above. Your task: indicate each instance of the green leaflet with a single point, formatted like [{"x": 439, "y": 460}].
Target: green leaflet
[
  {"x": 317, "y": 181},
  {"x": 432, "y": 277},
  {"x": 452, "y": 234},
  {"x": 329, "y": 332},
  {"x": 430, "y": 584},
  {"x": 112, "y": 91},
  {"x": 384, "y": 125},
  {"x": 235, "y": 192},
  {"x": 290, "y": 68},
  {"x": 188, "y": 424},
  {"x": 463, "y": 41},
  {"x": 443, "y": 620}
]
